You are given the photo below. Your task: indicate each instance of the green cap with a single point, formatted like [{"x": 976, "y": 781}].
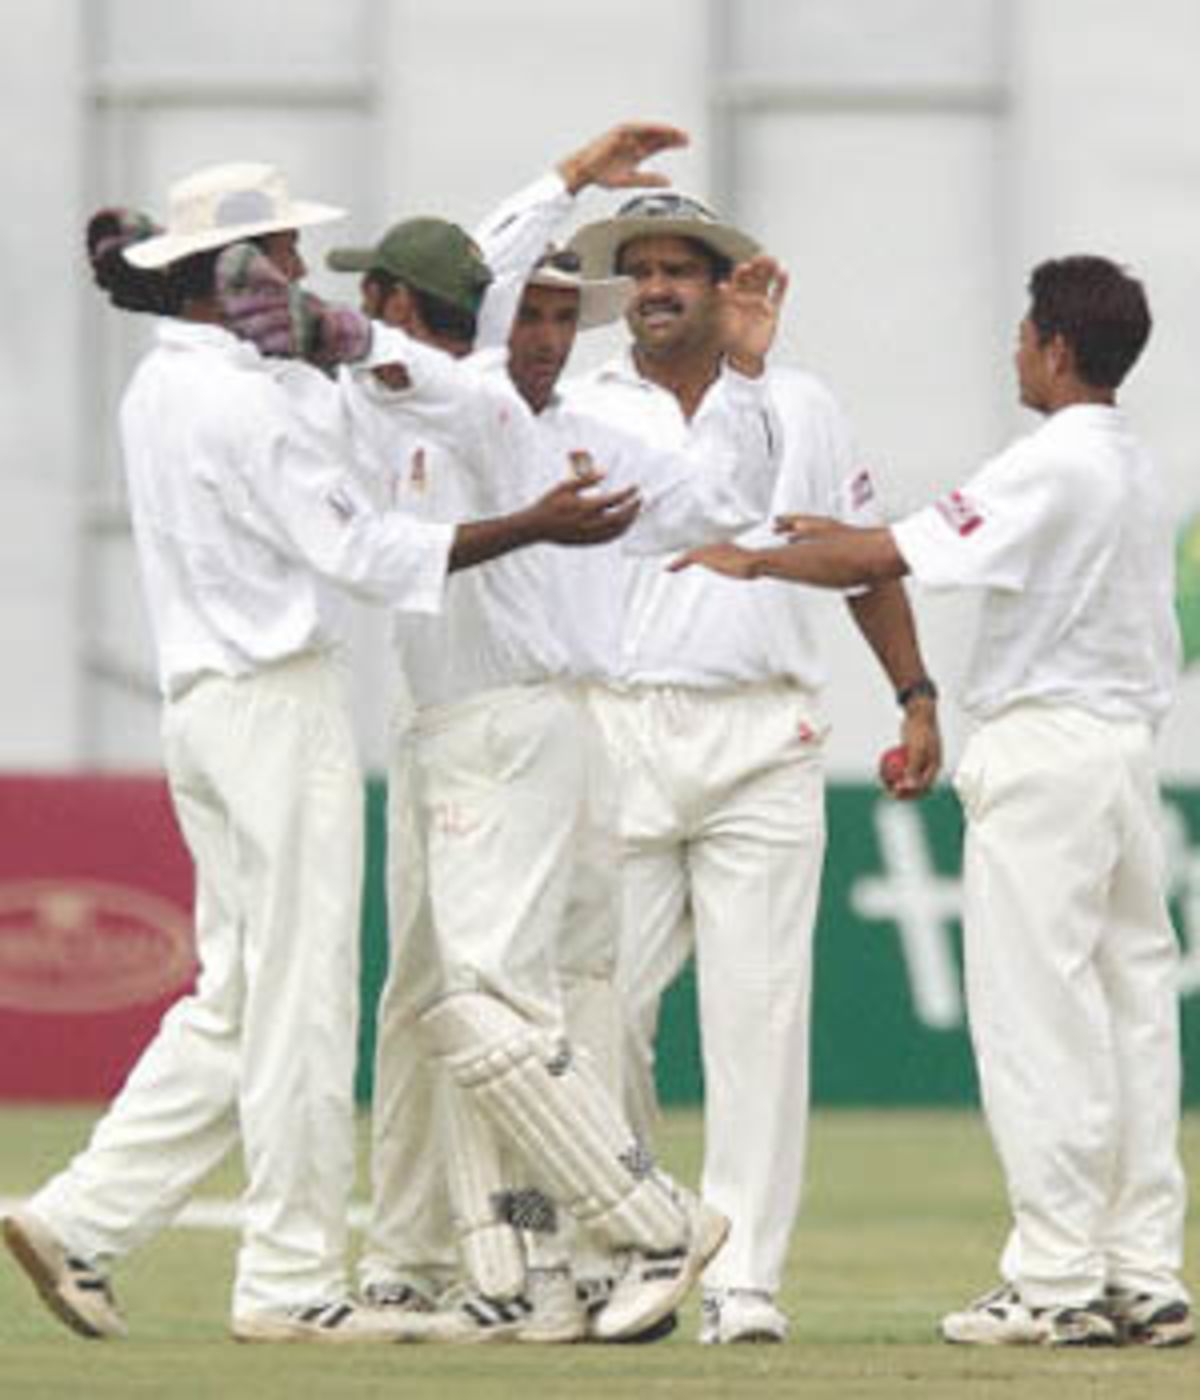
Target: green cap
[{"x": 430, "y": 255}]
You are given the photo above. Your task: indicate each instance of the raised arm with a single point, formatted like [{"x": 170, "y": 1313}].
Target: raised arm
[{"x": 513, "y": 236}]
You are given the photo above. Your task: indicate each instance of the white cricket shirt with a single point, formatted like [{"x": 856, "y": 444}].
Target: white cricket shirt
[
  {"x": 694, "y": 628},
  {"x": 458, "y": 444},
  {"x": 1069, "y": 536},
  {"x": 244, "y": 510},
  {"x": 715, "y": 482}
]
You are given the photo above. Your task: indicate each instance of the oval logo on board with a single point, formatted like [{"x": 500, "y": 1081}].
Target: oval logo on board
[{"x": 86, "y": 946}]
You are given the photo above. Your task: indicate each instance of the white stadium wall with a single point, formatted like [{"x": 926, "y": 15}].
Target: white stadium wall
[{"x": 908, "y": 159}]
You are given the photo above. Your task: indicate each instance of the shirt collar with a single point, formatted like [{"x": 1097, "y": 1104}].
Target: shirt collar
[
  {"x": 622, "y": 369},
  {"x": 1105, "y": 416}
]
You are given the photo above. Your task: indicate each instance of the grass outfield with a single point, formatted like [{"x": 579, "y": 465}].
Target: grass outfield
[{"x": 902, "y": 1221}]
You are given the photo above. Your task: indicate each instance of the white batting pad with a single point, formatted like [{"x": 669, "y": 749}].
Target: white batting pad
[
  {"x": 551, "y": 1106},
  {"x": 491, "y": 1249}
]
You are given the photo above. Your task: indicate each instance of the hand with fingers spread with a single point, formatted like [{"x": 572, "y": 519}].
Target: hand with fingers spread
[
  {"x": 614, "y": 160},
  {"x": 750, "y": 304},
  {"x": 571, "y": 513}
]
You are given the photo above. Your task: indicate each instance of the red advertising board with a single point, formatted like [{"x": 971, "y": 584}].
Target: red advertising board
[{"x": 95, "y": 930}]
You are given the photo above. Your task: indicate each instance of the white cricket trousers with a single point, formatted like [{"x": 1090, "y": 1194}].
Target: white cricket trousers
[
  {"x": 1073, "y": 999},
  {"x": 483, "y": 812},
  {"x": 268, "y": 793},
  {"x": 722, "y": 820}
]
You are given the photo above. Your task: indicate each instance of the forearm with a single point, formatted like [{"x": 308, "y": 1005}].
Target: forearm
[
  {"x": 885, "y": 619},
  {"x": 844, "y": 559},
  {"x": 477, "y": 541},
  {"x": 512, "y": 238}
]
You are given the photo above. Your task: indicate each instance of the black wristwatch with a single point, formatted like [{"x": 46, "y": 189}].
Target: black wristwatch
[{"x": 910, "y": 692}]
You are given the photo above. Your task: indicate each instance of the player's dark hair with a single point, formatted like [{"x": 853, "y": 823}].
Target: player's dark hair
[
  {"x": 193, "y": 278},
  {"x": 441, "y": 317},
  {"x": 1098, "y": 309}
]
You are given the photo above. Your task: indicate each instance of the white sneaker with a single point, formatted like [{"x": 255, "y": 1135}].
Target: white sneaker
[
  {"x": 1088, "y": 1325},
  {"x": 1149, "y": 1319},
  {"x": 740, "y": 1315},
  {"x": 654, "y": 1284},
  {"x": 558, "y": 1313},
  {"x": 997, "y": 1319},
  {"x": 409, "y": 1293},
  {"x": 74, "y": 1290},
  {"x": 465, "y": 1317},
  {"x": 338, "y": 1324},
  {"x": 1000, "y": 1318}
]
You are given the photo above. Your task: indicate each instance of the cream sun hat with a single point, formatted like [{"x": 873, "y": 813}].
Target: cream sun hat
[
  {"x": 602, "y": 300},
  {"x": 223, "y": 204},
  {"x": 660, "y": 214}
]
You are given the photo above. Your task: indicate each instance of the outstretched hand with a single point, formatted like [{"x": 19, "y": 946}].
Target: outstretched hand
[
  {"x": 749, "y": 309},
  {"x": 724, "y": 558},
  {"x": 571, "y": 513},
  {"x": 613, "y": 161}
]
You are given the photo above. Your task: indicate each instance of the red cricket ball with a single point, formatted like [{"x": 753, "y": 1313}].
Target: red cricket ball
[{"x": 893, "y": 764}]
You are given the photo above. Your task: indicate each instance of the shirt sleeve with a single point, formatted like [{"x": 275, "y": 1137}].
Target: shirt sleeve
[
  {"x": 286, "y": 487},
  {"x": 448, "y": 395},
  {"x": 513, "y": 237},
  {"x": 988, "y": 532}
]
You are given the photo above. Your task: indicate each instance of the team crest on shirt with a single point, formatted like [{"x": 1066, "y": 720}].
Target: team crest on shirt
[
  {"x": 862, "y": 490},
  {"x": 959, "y": 513}
]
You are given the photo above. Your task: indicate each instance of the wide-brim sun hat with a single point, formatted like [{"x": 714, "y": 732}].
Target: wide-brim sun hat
[
  {"x": 663, "y": 214},
  {"x": 224, "y": 204},
  {"x": 602, "y": 300}
]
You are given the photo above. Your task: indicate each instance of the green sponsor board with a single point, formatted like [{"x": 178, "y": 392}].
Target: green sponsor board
[
  {"x": 1187, "y": 589},
  {"x": 888, "y": 1018}
]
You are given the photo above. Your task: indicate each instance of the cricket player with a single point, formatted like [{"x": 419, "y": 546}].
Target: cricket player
[
  {"x": 713, "y": 710},
  {"x": 1071, "y": 959},
  {"x": 500, "y": 666},
  {"x": 244, "y": 515}
]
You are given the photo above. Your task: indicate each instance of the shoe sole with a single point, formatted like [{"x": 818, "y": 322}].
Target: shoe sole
[
  {"x": 404, "y": 1335},
  {"x": 25, "y": 1252},
  {"x": 655, "y": 1332},
  {"x": 1056, "y": 1344}
]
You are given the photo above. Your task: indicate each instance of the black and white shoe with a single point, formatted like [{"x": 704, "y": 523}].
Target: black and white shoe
[
  {"x": 1002, "y": 1318},
  {"x": 465, "y": 1316},
  {"x": 339, "y": 1323},
  {"x": 654, "y": 1284},
  {"x": 406, "y": 1295},
  {"x": 74, "y": 1290},
  {"x": 740, "y": 1315},
  {"x": 1150, "y": 1319}
]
